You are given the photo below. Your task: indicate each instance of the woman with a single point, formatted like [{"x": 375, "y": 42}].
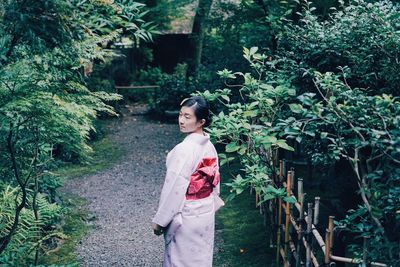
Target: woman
[{"x": 189, "y": 197}]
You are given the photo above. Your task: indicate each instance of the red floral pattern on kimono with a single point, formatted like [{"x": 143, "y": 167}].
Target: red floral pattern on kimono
[{"x": 204, "y": 179}]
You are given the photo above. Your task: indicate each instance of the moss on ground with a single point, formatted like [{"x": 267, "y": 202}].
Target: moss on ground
[
  {"x": 245, "y": 238},
  {"x": 75, "y": 227},
  {"x": 105, "y": 155}
]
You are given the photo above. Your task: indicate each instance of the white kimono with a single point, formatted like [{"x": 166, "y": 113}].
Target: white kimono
[{"x": 189, "y": 236}]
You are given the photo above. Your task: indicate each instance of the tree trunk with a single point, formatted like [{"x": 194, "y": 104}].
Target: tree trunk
[
  {"x": 6, "y": 239},
  {"x": 197, "y": 36}
]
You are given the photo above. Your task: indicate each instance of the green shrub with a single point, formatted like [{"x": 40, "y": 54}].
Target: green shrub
[
  {"x": 32, "y": 234},
  {"x": 46, "y": 107},
  {"x": 344, "y": 72},
  {"x": 362, "y": 36}
]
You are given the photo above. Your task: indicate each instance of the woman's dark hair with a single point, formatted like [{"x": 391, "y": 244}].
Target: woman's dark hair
[{"x": 200, "y": 107}]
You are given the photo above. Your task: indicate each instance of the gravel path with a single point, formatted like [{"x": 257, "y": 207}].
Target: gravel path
[{"x": 124, "y": 198}]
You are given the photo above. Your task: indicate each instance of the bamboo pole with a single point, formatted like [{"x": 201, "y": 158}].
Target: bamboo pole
[
  {"x": 291, "y": 246},
  {"x": 316, "y": 210},
  {"x": 319, "y": 238},
  {"x": 300, "y": 193},
  {"x": 316, "y": 218},
  {"x": 315, "y": 232},
  {"x": 330, "y": 228},
  {"x": 377, "y": 264},
  {"x": 309, "y": 229},
  {"x": 300, "y": 232},
  {"x": 280, "y": 170},
  {"x": 356, "y": 261},
  {"x": 313, "y": 258},
  {"x": 287, "y": 210},
  {"x": 327, "y": 247},
  {"x": 285, "y": 262},
  {"x": 321, "y": 242},
  {"x": 293, "y": 179}
]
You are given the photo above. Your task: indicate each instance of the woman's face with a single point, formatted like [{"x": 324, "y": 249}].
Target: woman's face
[{"x": 188, "y": 122}]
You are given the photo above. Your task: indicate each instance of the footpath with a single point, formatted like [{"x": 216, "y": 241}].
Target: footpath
[{"x": 124, "y": 198}]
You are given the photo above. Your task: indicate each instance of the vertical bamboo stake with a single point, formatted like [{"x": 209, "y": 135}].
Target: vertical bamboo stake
[
  {"x": 316, "y": 218},
  {"x": 279, "y": 217},
  {"x": 327, "y": 247},
  {"x": 300, "y": 233},
  {"x": 316, "y": 210},
  {"x": 300, "y": 194},
  {"x": 288, "y": 186},
  {"x": 309, "y": 229},
  {"x": 330, "y": 228},
  {"x": 293, "y": 179},
  {"x": 300, "y": 197}
]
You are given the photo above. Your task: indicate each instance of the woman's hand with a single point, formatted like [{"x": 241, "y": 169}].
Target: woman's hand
[{"x": 158, "y": 230}]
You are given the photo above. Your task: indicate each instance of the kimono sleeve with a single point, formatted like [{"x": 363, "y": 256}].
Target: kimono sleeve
[{"x": 177, "y": 178}]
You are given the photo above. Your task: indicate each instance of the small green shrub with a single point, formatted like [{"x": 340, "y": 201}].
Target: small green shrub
[{"x": 32, "y": 234}]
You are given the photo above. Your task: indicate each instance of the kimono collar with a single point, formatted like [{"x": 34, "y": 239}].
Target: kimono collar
[{"x": 198, "y": 138}]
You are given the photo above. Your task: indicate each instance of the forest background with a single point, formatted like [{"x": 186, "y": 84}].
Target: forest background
[{"x": 317, "y": 78}]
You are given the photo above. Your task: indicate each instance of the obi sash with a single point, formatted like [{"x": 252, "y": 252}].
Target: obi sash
[{"x": 204, "y": 179}]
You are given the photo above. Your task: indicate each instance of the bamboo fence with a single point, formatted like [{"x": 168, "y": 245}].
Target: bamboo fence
[{"x": 295, "y": 235}]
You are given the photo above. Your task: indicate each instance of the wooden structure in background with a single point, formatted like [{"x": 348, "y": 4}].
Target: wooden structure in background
[{"x": 297, "y": 240}]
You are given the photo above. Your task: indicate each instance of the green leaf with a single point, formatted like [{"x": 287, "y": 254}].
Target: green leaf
[
  {"x": 225, "y": 97},
  {"x": 282, "y": 144},
  {"x": 268, "y": 139},
  {"x": 267, "y": 197},
  {"x": 253, "y": 50},
  {"x": 266, "y": 86},
  {"x": 292, "y": 92},
  {"x": 250, "y": 113},
  {"x": 227, "y": 160},
  {"x": 289, "y": 199},
  {"x": 239, "y": 191},
  {"x": 226, "y": 74},
  {"x": 275, "y": 191},
  {"x": 232, "y": 147},
  {"x": 310, "y": 133},
  {"x": 242, "y": 151},
  {"x": 296, "y": 108}
]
